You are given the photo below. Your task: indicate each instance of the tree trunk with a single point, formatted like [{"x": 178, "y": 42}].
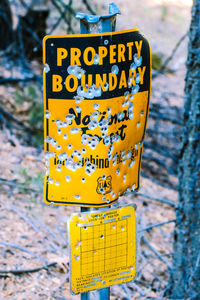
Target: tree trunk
[
  {"x": 6, "y": 30},
  {"x": 185, "y": 276}
]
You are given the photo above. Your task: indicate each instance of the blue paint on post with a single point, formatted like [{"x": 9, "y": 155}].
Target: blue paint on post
[
  {"x": 98, "y": 24},
  {"x": 85, "y": 296}
]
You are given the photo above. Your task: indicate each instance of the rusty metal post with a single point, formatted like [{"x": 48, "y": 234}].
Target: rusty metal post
[{"x": 98, "y": 24}]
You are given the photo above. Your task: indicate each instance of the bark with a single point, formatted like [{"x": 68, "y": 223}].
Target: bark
[
  {"x": 185, "y": 276},
  {"x": 6, "y": 30}
]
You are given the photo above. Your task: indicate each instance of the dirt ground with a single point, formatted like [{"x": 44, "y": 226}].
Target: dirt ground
[{"x": 34, "y": 235}]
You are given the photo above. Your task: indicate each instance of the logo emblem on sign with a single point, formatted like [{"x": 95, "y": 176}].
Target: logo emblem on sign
[{"x": 104, "y": 185}]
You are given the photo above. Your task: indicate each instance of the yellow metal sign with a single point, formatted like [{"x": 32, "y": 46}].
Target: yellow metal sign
[
  {"x": 96, "y": 103},
  {"x": 102, "y": 248}
]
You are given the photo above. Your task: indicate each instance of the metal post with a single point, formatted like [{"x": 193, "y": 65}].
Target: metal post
[
  {"x": 85, "y": 296},
  {"x": 98, "y": 24}
]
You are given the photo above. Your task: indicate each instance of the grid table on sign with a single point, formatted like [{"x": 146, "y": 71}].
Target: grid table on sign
[{"x": 103, "y": 247}]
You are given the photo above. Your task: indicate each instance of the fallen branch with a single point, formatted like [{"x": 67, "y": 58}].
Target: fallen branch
[
  {"x": 160, "y": 257},
  {"x": 89, "y": 7},
  {"x": 156, "y": 276},
  {"x": 64, "y": 236},
  {"x": 23, "y": 249},
  {"x": 166, "y": 118},
  {"x": 195, "y": 269},
  {"x": 162, "y": 150},
  {"x": 136, "y": 287},
  {"x": 53, "y": 236},
  {"x": 165, "y": 201},
  {"x": 169, "y": 93},
  {"x": 9, "y": 116},
  {"x": 71, "y": 10},
  {"x": 35, "y": 227},
  {"x": 160, "y": 162},
  {"x": 172, "y": 135},
  {"x": 58, "y": 21},
  {"x": 27, "y": 220},
  {"x": 118, "y": 292},
  {"x": 163, "y": 182},
  {"x": 14, "y": 183},
  {"x": 63, "y": 14},
  {"x": 21, "y": 271},
  {"x": 156, "y": 225},
  {"x": 3, "y": 276},
  {"x": 66, "y": 277},
  {"x": 127, "y": 291},
  {"x": 170, "y": 57},
  {"x": 38, "y": 226},
  {"x": 16, "y": 79}
]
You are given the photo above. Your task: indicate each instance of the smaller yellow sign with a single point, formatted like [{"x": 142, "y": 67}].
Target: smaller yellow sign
[{"x": 102, "y": 248}]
